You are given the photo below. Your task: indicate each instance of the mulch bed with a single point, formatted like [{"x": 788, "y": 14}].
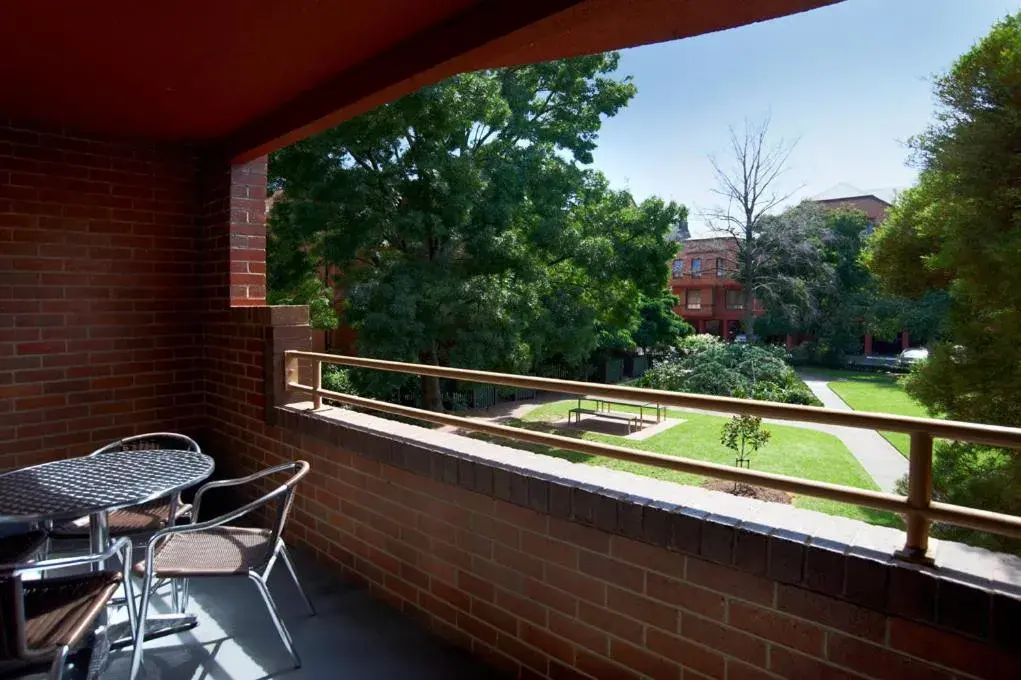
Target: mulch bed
[{"x": 748, "y": 491}]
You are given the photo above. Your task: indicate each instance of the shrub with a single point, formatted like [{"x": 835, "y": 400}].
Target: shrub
[
  {"x": 694, "y": 344},
  {"x": 337, "y": 379},
  {"x": 706, "y": 365}
]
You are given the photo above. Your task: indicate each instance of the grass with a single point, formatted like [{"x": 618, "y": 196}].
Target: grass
[
  {"x": 792, "y": 451},
  {"x": 879, "y": 392}
]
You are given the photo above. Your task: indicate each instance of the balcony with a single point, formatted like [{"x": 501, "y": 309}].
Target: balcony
[
  {"x": 704, "y": 310},
  {"x": 133, "y": 300}
]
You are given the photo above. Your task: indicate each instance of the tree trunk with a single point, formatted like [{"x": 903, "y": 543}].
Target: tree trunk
[
  {"x": 749, "y": 313},
  {"x": 432, "y": 399}
]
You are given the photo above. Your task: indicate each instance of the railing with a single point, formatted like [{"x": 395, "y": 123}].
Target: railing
[{"x": 918, "y": 507}]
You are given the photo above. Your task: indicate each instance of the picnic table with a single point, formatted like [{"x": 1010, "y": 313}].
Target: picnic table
[{"x": 602, "y": 409}]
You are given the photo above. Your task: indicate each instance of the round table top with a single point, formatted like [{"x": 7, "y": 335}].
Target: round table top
[{"x": 66, "y": 489}]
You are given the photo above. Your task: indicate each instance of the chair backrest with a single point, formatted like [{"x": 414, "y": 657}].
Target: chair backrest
[
  {"x": 151, "y": 441},
  {"x": 300, "y": 469},
  {"x": 284, "y": 493}
]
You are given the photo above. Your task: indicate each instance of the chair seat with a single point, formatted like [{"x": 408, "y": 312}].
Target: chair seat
[
  {"x": 59, "y": 611},
  {"x": 20, "y": 547},
  {"x": 223, "y": 551},
  {"x": 136, "y": 519}
]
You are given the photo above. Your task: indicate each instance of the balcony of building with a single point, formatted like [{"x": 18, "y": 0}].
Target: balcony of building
[{"x": 132, "y": 237}]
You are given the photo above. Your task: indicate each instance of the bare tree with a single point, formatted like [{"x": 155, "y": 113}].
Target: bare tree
[{"x": 748, "y": 183}]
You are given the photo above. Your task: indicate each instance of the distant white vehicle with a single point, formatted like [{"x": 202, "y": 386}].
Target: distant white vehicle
[{"x": 910, "y": 357}]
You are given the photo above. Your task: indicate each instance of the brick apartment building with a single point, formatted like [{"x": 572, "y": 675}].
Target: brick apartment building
[
  {"x": 711, "y": 301},
  {"x": 702, "y": 279}
]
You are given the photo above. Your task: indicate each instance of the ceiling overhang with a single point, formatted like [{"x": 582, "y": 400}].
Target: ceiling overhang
[{"x": 249, "y": 76}]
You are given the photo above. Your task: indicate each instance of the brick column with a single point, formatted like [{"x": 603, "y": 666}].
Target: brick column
[
  {"x": 248, "y": 233},
  {"x": 905, "y": 340},
  {"x": 868, "y": 344},
  {"x": 234, "y": 234}
]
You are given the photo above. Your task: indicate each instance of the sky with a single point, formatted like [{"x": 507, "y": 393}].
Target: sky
[{"x": 850, "y": 82}]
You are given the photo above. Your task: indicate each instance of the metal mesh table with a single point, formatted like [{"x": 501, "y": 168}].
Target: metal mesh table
[
  {"x": 66, "y": 489},
  {"x": 93, "y": 486}
]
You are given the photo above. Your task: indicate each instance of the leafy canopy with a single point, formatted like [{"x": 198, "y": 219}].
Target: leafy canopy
[
  {"x": 814, "y": 282},
  {"x": 959, "y": 231},
  {"x": 467, "y": 228}
]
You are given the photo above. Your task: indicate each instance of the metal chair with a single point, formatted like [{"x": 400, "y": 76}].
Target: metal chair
[
  {"x": 215, "y": 548},
  {"x": 140, "y": 518},
  {"x": 42, "y": 620}
]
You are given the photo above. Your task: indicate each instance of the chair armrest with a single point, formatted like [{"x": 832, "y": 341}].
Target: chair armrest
[
  {"x": 121, "y": 545},
  {"x": 197, "y": 500}
]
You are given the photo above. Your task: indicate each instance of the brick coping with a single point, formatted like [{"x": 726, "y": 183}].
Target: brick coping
[{"x": 968, "y": 591}]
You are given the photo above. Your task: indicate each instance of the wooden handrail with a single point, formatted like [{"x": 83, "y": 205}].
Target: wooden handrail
[{"x": 918, "y": 507}]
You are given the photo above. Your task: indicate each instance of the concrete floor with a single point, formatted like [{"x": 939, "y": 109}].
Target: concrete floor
[{"x": 352, "y": 637}]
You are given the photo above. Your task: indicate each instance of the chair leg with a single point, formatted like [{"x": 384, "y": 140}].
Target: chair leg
[
  {"x": 129, "y": 597},
  {"x": 275, "y": 615},
  {"x": 185, "y": 583},
  {"x": 143, "y": 612},
  {"x": 57, "y": 667},
  {"x": 175, "y": 595},
  {"x": 294, "y": 576}
]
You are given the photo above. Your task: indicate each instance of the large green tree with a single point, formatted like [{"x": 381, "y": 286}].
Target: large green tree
[
  {"x": 814, "y": 282},
  {"x": 468, "y": 229},
  {"x": 959, "y": 230}
]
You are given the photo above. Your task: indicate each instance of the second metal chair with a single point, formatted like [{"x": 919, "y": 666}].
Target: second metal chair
[{"x": 217, "y": 548}]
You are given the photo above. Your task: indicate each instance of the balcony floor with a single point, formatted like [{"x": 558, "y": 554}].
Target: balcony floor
[{"x": 352, "y": 636}]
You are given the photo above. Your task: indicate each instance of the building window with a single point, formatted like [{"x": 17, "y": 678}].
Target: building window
[
  {"x": 693, "y": 299},
  {"x": 719, "y": 267},
  {"x": 735, "y": 299},
  {"x": 678, "y": 268},
  {"x": 696, "y": 267}
]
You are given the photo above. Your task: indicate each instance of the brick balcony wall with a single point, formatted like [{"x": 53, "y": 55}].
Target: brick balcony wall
[
  {"x": 543, "y": 578},
  {"x": 99, "y": 328}
]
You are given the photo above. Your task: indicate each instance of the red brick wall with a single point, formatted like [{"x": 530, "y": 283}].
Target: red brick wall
[
  {"x": 543, "y": 596},
  {"x": 870, "y": 205},
  {"x": 99, "y": 335}
]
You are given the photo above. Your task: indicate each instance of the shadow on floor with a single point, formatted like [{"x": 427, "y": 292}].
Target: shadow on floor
[{"x": 353, "y": 636}]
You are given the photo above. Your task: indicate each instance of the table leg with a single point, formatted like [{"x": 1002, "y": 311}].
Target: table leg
[{"x": 99, "y": 536}]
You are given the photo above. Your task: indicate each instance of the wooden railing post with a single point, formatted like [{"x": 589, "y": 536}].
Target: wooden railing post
[
  {"x": 292, "y": 370},
  {"x": 317, "y": 383},
  {"x": 916, "y": 548}
]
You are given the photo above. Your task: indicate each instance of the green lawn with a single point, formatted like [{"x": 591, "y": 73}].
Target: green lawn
[
  {"x": 791, "y": 451},
  {"x": 878, "y": 392}
]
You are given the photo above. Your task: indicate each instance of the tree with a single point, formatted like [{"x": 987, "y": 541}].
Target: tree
[
  {"x": 660, "y": 328},
  {"x": 749, "y": 184},
  {"x": 744, "y": 435},
  {"x": 468, "y": 231},
  {"x": 959, "y": 231},
  {"x": 814, "y": 282}
]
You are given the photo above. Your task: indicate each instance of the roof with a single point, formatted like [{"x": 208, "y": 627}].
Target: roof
[
  {"x": 845, "y": 191},
  {"x": 250, "y": 76}
]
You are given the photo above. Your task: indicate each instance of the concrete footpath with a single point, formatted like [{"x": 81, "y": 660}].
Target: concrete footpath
[{"x": 879, "y": 457}]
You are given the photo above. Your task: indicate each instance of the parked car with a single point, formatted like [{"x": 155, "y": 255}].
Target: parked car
[{"x": 910, "y": 357}]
